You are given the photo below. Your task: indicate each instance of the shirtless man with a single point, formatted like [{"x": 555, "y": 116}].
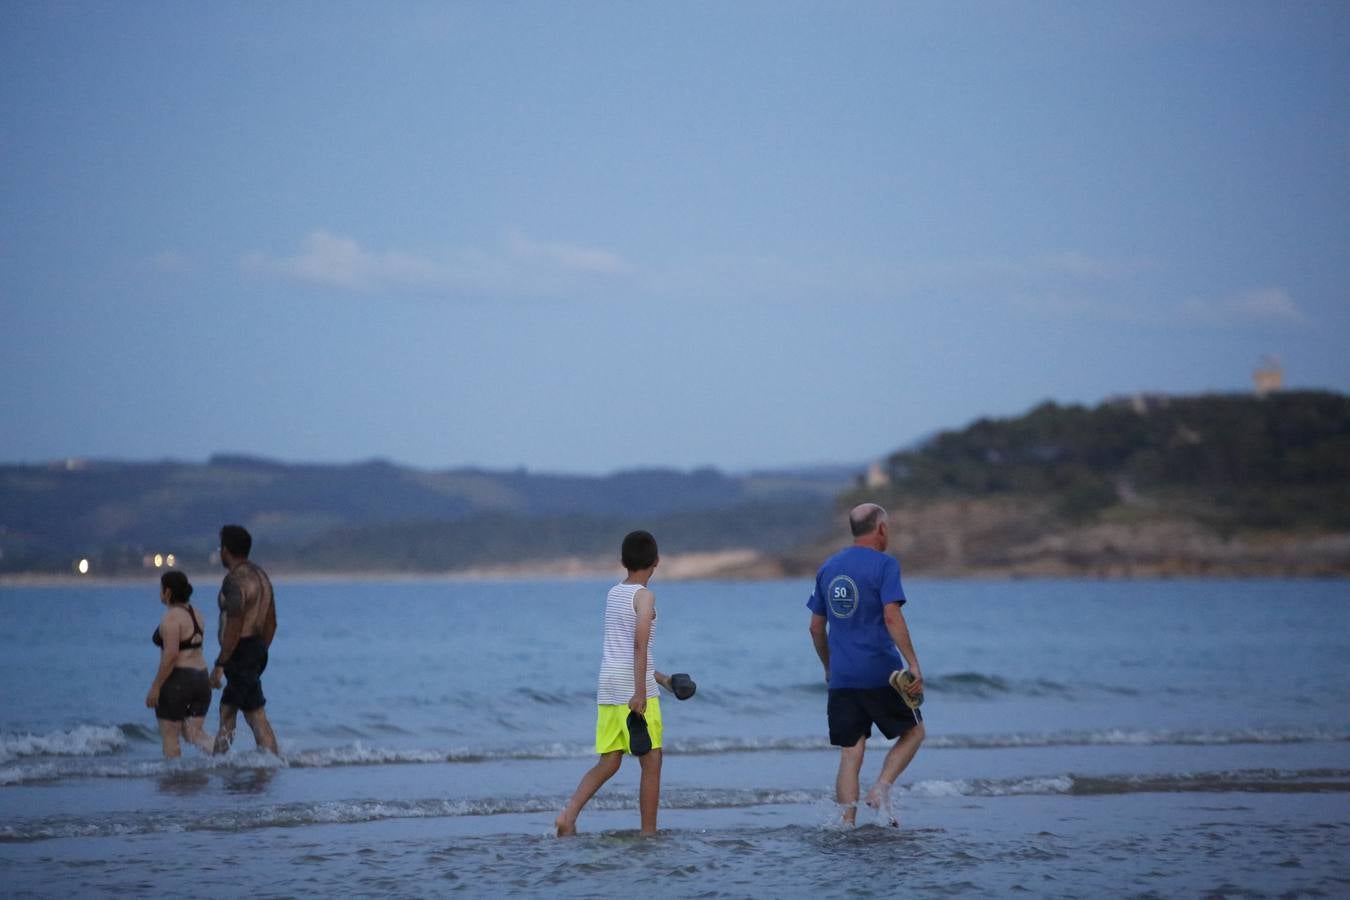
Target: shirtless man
[{"x": 248, "y": 621}]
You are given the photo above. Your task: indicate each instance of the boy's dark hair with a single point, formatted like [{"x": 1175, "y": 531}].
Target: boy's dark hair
[
  {"x": 237, "y": 540},
  {"x": 639, "y": 551},
  {"x": 180, "y": 589}
]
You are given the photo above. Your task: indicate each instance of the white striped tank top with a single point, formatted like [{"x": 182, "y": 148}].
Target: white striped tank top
[{"x": 616, "y": 665}]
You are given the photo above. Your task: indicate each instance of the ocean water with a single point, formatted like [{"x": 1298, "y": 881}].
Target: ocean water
[{"x": 1168, "y": 738}]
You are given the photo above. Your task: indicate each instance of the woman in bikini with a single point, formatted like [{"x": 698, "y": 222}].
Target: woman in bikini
[{"x": 181, "y": 692}]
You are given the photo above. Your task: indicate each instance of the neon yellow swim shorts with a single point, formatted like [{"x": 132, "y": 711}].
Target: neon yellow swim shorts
[{"x": 611, "y": 726}]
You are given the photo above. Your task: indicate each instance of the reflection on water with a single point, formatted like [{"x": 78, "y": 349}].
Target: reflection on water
[
  {"x": 183, "y": 784},
  {"x": 248, "y": 781}
]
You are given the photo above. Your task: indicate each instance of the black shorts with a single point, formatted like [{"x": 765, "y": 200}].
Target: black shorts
[
  {"x": 243, "y": 675},
  {"x": 853, "y": 711},
  {"x": 186, "y": 694}
]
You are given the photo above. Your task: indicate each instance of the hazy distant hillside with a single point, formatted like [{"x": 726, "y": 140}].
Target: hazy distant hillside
[{"x": 115, "y": 513}]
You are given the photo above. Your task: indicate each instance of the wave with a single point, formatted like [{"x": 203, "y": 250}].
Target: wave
[
  {"x": 1123, "y": 737},
  {"x": 1110, "y": 737},
  {"x": 967, "y": 685},
  {"x": 83, "y": 740},
  {"x": 970, "y": 685},
  {"x": 337, "y": 812},
  {"x": 66, "y": 755},
  {"x": 983, "y": 686}
]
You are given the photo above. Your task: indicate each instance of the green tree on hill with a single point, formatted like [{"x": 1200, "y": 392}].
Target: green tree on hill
[{"x": 1281, "y": 461}]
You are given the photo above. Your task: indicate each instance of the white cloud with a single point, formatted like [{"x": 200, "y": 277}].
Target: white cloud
[
  {"x": 566, "y": 256},
  {"x": 1260, "y": 305},
  {"x": 519, "y": 265}
]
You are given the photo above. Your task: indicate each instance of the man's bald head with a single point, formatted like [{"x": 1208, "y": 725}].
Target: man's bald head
[{"x": 865, "y": 518}]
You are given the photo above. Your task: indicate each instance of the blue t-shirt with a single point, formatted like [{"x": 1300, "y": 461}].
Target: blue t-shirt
[{"x": 852, "y": 589}]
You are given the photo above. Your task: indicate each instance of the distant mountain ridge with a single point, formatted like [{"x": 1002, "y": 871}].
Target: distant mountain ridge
[{"x": 117, "y": 513}]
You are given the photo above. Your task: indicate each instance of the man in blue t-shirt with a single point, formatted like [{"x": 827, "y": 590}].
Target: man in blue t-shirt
[{"x": 860, "y": 636}]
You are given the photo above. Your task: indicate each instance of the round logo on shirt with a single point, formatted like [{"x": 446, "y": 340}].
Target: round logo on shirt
[{"x": 842, "y": 596}]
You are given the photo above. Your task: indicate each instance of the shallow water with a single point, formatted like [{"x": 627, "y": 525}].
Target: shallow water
[{"x": 1131, "y": 738}]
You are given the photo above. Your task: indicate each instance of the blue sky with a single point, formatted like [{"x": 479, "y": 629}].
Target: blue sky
[{"x": 586, "y": 237}]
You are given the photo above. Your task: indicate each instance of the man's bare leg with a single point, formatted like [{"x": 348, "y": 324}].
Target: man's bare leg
[
  {"x": 592, "y": 781},
  {"x": 225, "y": 736},
  {"x": 194, "y": 729},
  {"x": 846, "y": 783},
  {"x": 168, "y": 737},
  {"x": 897, "y": 760},
  {"x": 649, "y": 789},
  {"x": 262, "y": 730}
]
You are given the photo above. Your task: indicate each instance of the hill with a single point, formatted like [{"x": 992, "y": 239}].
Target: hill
[
  {"x": 1148, "y": 485},
  {"x": 380, "y": 516}
]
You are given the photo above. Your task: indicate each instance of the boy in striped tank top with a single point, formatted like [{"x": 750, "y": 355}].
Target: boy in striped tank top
[{"x": 628, "y": 683}]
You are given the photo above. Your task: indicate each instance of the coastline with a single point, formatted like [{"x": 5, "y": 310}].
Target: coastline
[
  {"x": 677, "y": 567},
  {"x": 749, "y": 565}
]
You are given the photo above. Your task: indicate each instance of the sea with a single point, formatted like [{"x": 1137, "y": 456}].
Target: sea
[{"x": 1172, "y": 738}]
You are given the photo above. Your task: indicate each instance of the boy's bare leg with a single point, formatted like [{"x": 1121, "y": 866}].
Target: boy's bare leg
[
  {"x": 225, "y": 736},
  {"x": 897, "y": 759},
  {"x": 262, "y": 730},
  {"x": 168, "y": 737},
  {"x": 592, "y": 781},
  {"x": 649, "y": 789},
  {"x": 194, "y": 730},
  {"x": 846, "y": 784}
]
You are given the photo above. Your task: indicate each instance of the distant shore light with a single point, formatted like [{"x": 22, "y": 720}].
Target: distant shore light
[
  {"x": 83, "y": 567},
  {"x": 168, "y": 560},
  {"x": 159, "y": 560}
]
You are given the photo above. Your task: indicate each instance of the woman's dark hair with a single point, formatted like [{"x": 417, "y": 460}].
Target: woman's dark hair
[
  {"x": 639, "y": 551},
  {"x": 180, "y": 589}
]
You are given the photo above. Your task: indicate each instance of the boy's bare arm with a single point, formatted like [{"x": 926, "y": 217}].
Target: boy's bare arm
[{"x": 644, "y": 604}]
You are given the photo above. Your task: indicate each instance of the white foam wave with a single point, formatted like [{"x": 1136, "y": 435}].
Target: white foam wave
[
  {"x": 1120, "y": 737},
  {"x": 962, "y": 787},
  {"x": 84, "y": 740},
  {"x": 359, "y": 754},
  {"x": 51, "y": 770},
  {"x": 30, "y": 757}
]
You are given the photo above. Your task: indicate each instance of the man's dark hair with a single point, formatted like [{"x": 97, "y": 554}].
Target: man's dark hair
[
  {"x": 180, "y": 589},
  {"x": 237, "y": 540},
  {"x": 639, "y": 551},
  {"x": 864, "y": 519}
]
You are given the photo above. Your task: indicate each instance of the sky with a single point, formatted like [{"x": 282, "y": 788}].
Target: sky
[{"x": 598, "y": 236}]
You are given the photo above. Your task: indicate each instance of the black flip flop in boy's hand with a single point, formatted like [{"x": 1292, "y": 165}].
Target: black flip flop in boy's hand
[{"x": 679, "y": 684}]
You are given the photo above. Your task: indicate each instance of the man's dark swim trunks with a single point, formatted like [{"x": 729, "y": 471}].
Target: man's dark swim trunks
[
  {"x": 853, "y": 711},
  {"x": 186, "y": 694},
  {"x": 243, "y": 675}
]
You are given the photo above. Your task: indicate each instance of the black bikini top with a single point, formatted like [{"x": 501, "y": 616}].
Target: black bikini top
[{"x": 183, "y": 645}]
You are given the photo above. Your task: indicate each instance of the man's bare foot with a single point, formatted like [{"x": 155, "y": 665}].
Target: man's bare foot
[
  {"x": 879, "y": 799},
  {"x": 564, "y": 827}
]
